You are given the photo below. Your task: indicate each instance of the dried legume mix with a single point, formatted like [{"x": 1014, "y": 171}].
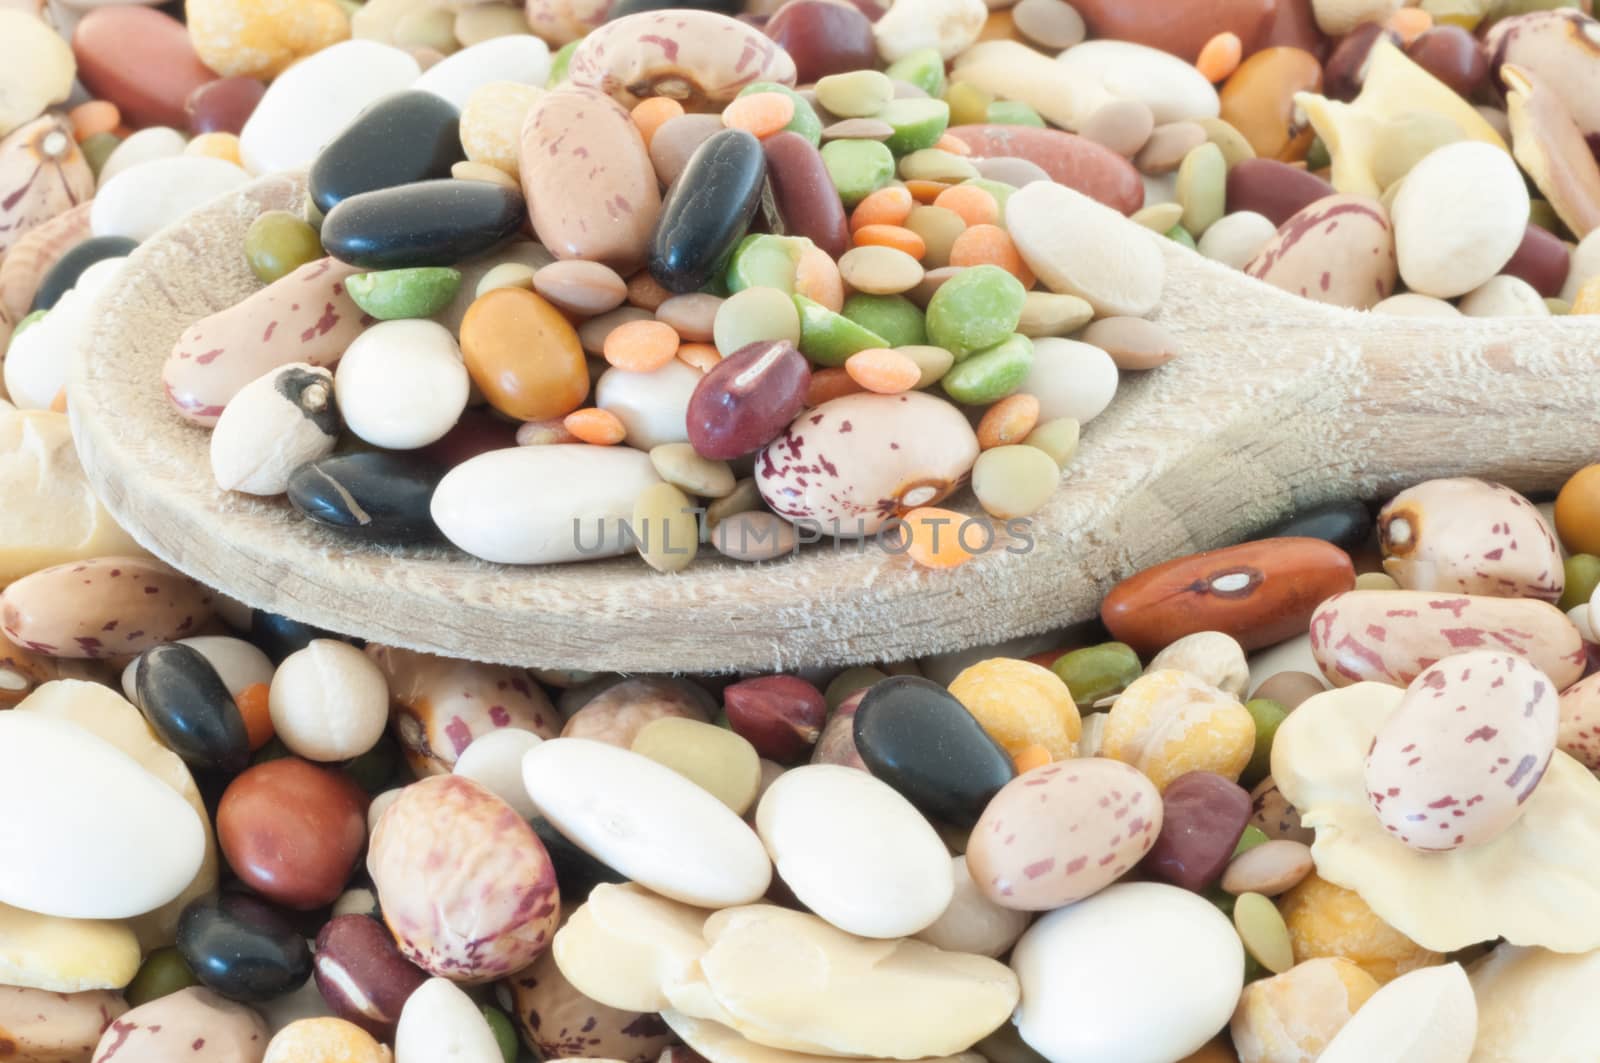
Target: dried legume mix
[{"x": 1327, "y": 793}]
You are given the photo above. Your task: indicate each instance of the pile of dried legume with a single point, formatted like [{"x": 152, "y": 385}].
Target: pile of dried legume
[
  {"x": 1289, "y": 813},
  {"x": 230, "y": 837}
]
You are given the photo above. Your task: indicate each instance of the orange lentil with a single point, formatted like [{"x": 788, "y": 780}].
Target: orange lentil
[
  {"x": 700, "y": 355},
  {"x": 252, "y": 702},
  {"x": 925, "y": 191},
  {"x": 896, "y": 236},
  {"x": 990, "y": 245},
  {"x": 651, "y": 114},
  {"x": 886, "y": 206},
  {"x": 880, "y": 370},
  {"x": 1410, "y": 23},
  {"x": 933, "y": 537},
  {"x": 1008, "y": 421},
  {"x": 830, "y": 383},
  {"x": 96, "y": 116},
  {"x": 816, "y": 276},
  {"x": 595, "y": 426},
  {"x": 645, "y": 292},
  {"x": 1029, "y": 757},
  {"x": 224, "y": 146},
  {"x": 640, "y": 347},
  {"x": 953, "y": 144},
  {"x": 974, "y": 205},
  {"x": 760, "y": 114},
  {"x": 1220, "y": 57}
]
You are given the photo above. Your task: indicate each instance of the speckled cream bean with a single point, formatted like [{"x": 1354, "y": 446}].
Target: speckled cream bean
[
  {"x": 465, "y": 884},
  {"x": 559, "y": 1021},
  {"x": 1394, "y": 636},
  {"x": 306, "y": 316},
  {"x": 1579, "y": 735},
  {"x": 169, "y": 1027},
  {"x": 1339, "y": 250},
  {"x": 1469, "y": 536},
  {"x": 699, "y": 58},
  {"x": 105, "y": 607},
  {"x": 441, "y": 706},
  {"x": 328, "y": 701},
  {"x": 272, "y": 427},
  {"x": 48, "y": 1027},
  {"x": 1456, "y": 761}
]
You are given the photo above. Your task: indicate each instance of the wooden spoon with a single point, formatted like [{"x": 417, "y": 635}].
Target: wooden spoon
[{"x": 1278, "y": 403}]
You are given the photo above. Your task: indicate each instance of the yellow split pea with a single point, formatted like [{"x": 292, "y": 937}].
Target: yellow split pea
[{"x": 1019, "y": 704}]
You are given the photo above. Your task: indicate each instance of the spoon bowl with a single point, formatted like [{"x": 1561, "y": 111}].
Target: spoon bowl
[{"x": 1277, "y": 403}]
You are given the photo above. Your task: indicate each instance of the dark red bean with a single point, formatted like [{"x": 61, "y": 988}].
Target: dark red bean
[
  {"x": 1203, "y": 815},
  {"x": 1346, "y": 68},
  {"x": 823, "y": 37},
  {"x": 747, "y": 399},
  {"x": 781, "y": 715},
  {"x": 1274, "y": 189},
  {"x": 1542, "y": 260},
  {"x": 1452, "y": 55},
  {"x": 362, "y": 975},
  {"x": 224, "y": 105},
  {"x": 803, "y": 197},
  {"x": 1293, "y": 24}
]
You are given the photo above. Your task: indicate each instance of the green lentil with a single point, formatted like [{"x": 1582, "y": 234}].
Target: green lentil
[
  {"x": 1235, "y": 148},
  {"x": 805, "y": 120},
  {"x": 1267, "y": 714},
  {"x": 1583, "y": 575},
  {"x": 1159, "y": 217},
  {"x": 1318, "y": 156},
  {"x": 1057, "y": 437},
  {"x": 939, "y": 227},
  {"x": 894, "y": 317},
  {"x": 666, "y": 528},
  {"x": 856, "y": 94},
  {"x": 278, "y": 243},
  {"x": 679, "y": 464},
  {"x": 857, "y": 168},
  {"x": 977, "y": 308},
  {"x": 753, "y": 315},
  {"x": 828, "y": 338},
  {"x": 420, "y": 291},
  {"x": 30, "y": 319},
  {"x": 505, "y": 1034},
  {"x": 934, "y": 362},
  {"x": 97, "y": 149},
  {"x": 162, "y": 973},
  {"x": 1179, "y": 235},
  {"x": 765, "y": 261},
  {"x": 1202, "y": 188},
  {"x": 1053, "y": 314},
  {"x": 1014, "y": 112},
  {"x": 917, "y": 123},
  {"x": 1263, "y": 932},
  {"x": 936, "y": 164},
  {"x": 969, "y": 105},
  {"x": 559, "y": 62},
  {"x": 1097, "y": 672},
  {"x": 1252, "y": 837},
  {"x": 923, "y": 68},
  {"x": 991, "y": 374},
  {"x": 1014, "y": 481}
]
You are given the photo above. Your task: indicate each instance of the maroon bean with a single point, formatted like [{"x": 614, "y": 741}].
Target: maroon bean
[
  {"x": 823, "y": 37},
  {"x": 479, "y": 431},
  {"x": 1274, "y": 189},
  {"x": 224, "y": 105},
  {"x": 747, "y": 399},
  {"x": 1452, "y": 55},
  {"x": 361, "y": 974},
  {"x": 781, "y": 715},
  {"x": 1203, "y": 817},
  {"x": 1346, "y": 68},
  {"x": 293, "y": 831},
  {"x": 1542, "y": 260},
  {"x": 803, "y": 196}
]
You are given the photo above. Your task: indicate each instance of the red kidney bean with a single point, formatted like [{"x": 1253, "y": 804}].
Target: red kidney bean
[
  {"x": 361, "y": 974},
  {"x": 1293, "y": 24},
  {"x": 1181, "y": 29},
  {"x": 823, "y": 37},
  {"x": 1203, "y": 815},
  {"x": 1452, "y": 55},
  {"x": 1273, "y": 189},
  {"x": 141, "y": 60},
  {"x": 293, "y": 831},
  {"x": 803, "y": 196},
  {"x": 1077, "y": 162},
  {"x": 747, "y": 399},
  {"x": 1261, "y": 593},
  {"x": 223, "y": 105},
  {"x": 1542, "y": 260},
  {"x": 781, "y": 715},
  {"x": 1346, "y": 68}
]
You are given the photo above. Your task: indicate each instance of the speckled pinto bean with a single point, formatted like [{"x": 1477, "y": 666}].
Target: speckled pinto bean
[
  {"x": 1579, "y": 736},
  {"x": 1457, "y": 760},
  {"x": 587, "y": 177},
  {"x": 466, "y": 886},
  {"x": 1470, "y": 536},
  {"x": 304, "y": 317},
  {"x": 1261, "y": 593},
  {"x": 699, "y": 58},
  {"x": 107, "y": 607},
  {"x": 441, "y": 705},
  {"x": 562, "y": 1023},
  {"x": 1338, "y": 250},
  {"x": 1394, "y": 636},
  {"x": 560, "y": 22}
]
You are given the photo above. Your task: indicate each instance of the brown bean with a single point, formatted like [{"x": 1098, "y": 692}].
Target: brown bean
[
  {"x": 1452, "y": 55},
  {"x": 747, "y": 399},
  {"x": 823, "y": 37},
  {"x": 293, "y": 831},
  {"x": 1181, "y": 29},
  {"x": 804, "y": 200},
  {"x": 141, "y": 60},
  {"x": 362, "y": 975}
]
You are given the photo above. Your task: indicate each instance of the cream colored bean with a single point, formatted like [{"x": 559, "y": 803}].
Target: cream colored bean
[
  {"x": 1014, "y": 481},
  {"x": 880, "y": 270}
]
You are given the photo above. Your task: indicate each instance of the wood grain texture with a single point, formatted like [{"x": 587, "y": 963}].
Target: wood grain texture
[{"x": 1277, "y": 403}]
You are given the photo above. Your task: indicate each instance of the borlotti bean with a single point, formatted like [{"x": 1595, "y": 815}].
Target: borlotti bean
[{"x": 742, "y": 272}]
